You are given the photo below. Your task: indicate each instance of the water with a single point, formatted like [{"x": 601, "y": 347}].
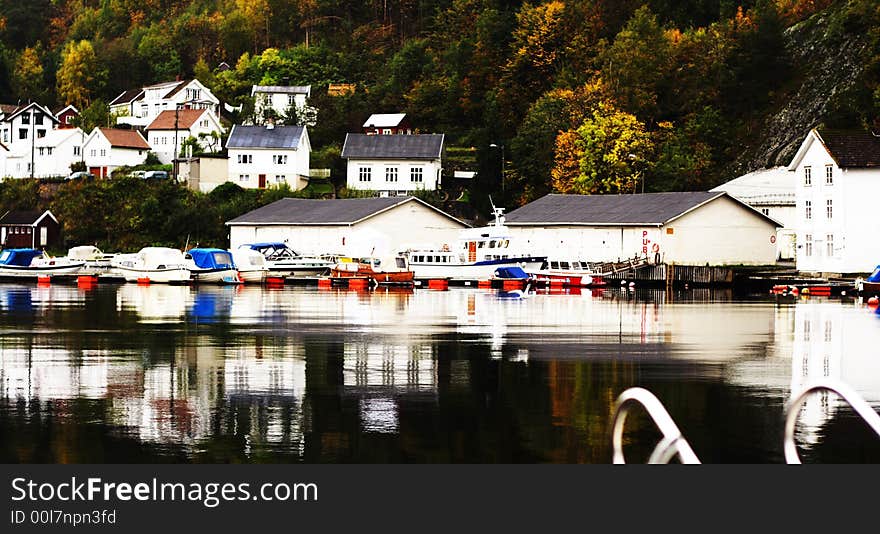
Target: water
[{"x": 128, "y": 373}]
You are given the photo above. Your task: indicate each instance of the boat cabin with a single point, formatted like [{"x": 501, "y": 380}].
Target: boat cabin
[
  {"x": 211, "y": 258},
  {"x": 19, "y": 257}
]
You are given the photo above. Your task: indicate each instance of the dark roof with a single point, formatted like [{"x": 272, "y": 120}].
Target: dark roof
[
  {"x": 624, "y": 210},
  {"x": 126, "y": 97},
  {"x": 303, "y": 211},
  {"x": 21, "y": 217},
  {"x": 851, "y": 148},
  {"x": 425, "y": 146},
  {"x": 264, "y": 137},
  {"x": 25, "y": 107}
]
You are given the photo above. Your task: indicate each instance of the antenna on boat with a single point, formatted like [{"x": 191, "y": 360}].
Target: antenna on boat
[
  {"x": 185, "y": 246},
  {"x": 497, "y": 212}
]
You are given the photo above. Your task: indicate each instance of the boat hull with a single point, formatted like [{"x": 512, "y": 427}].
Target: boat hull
[
  {"x": 256, "y": 276},
  {"x": 380, "y": 277},
  {"x": 12, "y": 271},
  {"x": 480, "y": 270},
  {"x": 214, "y": 276},
  {"x": 568, "y": 279}
]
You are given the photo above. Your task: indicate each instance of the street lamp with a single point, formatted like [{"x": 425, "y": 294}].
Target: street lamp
[{"x": 493, "y": 145}]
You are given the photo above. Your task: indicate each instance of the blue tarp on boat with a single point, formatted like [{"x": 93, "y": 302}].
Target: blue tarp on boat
[
  {"x": 20, "y": 257},
  {"x": 514, "y": 273},
  {"x": 875, "y": 276},
  {"x": 212, "y": 258}
]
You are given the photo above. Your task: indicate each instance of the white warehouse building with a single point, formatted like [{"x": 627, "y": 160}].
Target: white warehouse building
[{"x": 686, "y": 228}]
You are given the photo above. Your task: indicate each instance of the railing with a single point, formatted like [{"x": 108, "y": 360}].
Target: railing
[
  {"x": 673, "y": 442},
  {"x": 856, "y": 402}
]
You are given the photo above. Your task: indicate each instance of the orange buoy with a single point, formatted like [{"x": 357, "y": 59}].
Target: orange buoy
[
  {"x": 43, "y": 280},
  {"x": 512, "y": 284},
  {"x": 439, "y": 285},
  {"x": 143, "y": 281},
  {"x": 873, "y": 302},
  {"x": 325, "y": 282},
  {"x": 483, "y": 284},
  {"x": 358, "y": 283}
]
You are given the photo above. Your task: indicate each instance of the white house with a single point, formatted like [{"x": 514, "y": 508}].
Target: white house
[
  {"x": 260, "y": 156},
  {"x": 201, "y": 124},
  {"x": 689, "y": 228},
  {"x": 279, "y": 99},
  {"x": 354, "y": 226},
  {"x": 771, "y": 191},
  {"x": 107, "y": 149},
  {"x": 56, "y": 152},
  {"x": 139, "y": 107},
  {"x": 837, "y": 177},
  {"x": 394, "y": 164},
  {"x": 387, "y": 124},
  {"x": 21, "y": 129}
]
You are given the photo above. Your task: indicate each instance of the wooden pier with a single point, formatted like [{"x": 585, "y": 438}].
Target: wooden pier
[{"x": 671, "y": 275}]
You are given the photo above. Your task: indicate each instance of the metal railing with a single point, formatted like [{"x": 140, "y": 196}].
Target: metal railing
[
  {"x": 856, "y": 402},
  {"x": 673, "y": 442}
]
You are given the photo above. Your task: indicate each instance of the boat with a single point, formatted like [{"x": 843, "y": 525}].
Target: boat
[
  {"x": 96, "y": 260},
  {"x": 34, "y": 263},
  {"x": 211, "y": 266},
  {"x": 567, "y": 273},
  {"x": 160, "y": 265},
  {"x": 251, "y": 265},
  {"x": 375, "y": 270},
  {"x": 871, "y": 285},
  {"x": 283, "y": 261},
  {"x": 475, "y": 256}
]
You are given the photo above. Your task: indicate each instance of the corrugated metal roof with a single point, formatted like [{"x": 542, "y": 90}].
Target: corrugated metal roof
[
  {"x": 264, "y": 137},
  {"x": 852, "y": 148},
  {"x": 624, "y": 210},
  {"x": 346, "y": 211},
  {"x": 425, "y": 146}
]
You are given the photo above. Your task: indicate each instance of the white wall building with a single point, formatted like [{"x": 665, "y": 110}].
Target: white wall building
[
  {"x": 57, "y": 151},
  {"x": 355, "y": 227},
  {"x": 279, "y": 99},
  {"x": 690, "y": 228},
  {"x": 770, "y": 191},
  {"x": 107, "y": 149},
  {"x": 837, "y": 183},
  {"x": 22, "y": 129},
  {"x": 201, "y": 124},
  {"x": 394, "y": 164},
  {"x": 260, "y": 156},
  {"x": 139, "y": 107}
]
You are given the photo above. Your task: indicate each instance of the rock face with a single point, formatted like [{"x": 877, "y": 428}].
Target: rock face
[{"x": 827, "y": 62}]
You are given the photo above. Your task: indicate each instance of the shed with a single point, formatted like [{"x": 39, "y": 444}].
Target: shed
[
  {"x": 352, "y": 226},
  {"x": 686, "y": 228},
  {"x": 29, "y": 229}
]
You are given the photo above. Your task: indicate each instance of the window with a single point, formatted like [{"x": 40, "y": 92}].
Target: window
[
  {"x": 103, "y": 152},
  {"x": 77, "y": 150},
  {"x": 244, "y": 177},
  {"x": 386, "y": 131},
  {"x": 291, "y": 99},
  {"x": 765, "y": 211},
  {"x": 829, "y": 208},
  {"x": 364, "y": 174},
  {"x": 829, "y": 175},
  {"x": 245, "y": 158},
  {"x": 22, "y": 133},
  {"x": 92, "y": 153},
  {"x": 808, "y": 178},
  {"x": 38, "y": 118},
  {"x": 416, "y": 174},
  {"x": 829, "y": 245},
  {"x": 204, "y": 123},
  {"x": 390, "y": 174},
  {"x": 41, "y": 133},
  {"x": 49, "y": 151},
  {"x": 808, "y": 245},
  {"x": 808, "y": 209},
  {"x": 5, "y": 136},
  {"x": 40, "y": 151},
  {"x": 25, "y": 118},
  {"x": 68, "y": 119},
  {"x": 279, "y": 178},
  {"x": 279, "y": 159}
]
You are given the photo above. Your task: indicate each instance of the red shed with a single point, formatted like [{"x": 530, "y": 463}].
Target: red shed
[{"x": 29, "y": 229}]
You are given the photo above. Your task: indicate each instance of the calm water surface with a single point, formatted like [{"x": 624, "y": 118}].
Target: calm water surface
[{"x": 128, "y": 373}]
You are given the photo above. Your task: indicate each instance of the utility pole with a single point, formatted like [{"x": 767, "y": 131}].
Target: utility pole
[
  {"x": 33, "y": 119},
  {"x": 174, "y": 156}
]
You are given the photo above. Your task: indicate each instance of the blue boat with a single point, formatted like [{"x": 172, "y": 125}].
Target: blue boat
[
  {"x": 31, "y": 262},
  {"x": 211, "y": 266}
]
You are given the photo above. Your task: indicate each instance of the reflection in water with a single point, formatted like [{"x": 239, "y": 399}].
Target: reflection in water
[{"x": 241, "y": 374}]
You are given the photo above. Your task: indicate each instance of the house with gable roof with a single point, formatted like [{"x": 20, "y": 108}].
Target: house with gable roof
[
  {"x": 107, "y": 149},
  {"x": 278, "y": 99},
  {"x": 260, "y": 156},
  {"x": 201, "y": 124},
  {"x": 394, "y": 164},
  {"x": 837, "y": 182},
  {"x": 139, "y": 107},
  {"x": 388, "y": 124}
]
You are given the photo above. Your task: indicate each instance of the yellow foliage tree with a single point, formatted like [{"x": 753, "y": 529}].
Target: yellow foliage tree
[
  {"x": 29, "y": 75},
  {"x": 76, "y": 74}
]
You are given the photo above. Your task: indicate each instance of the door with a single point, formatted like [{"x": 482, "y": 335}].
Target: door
[
  {"x": 262, "y": 181},
  {"x": 44, "y": 236}
]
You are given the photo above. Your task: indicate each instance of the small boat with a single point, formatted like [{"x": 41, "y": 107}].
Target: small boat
[
  {"x": 373, "y": 268},
  {"x": 251, "y": 265},
  {"x": 161, "y": 265},
  {"x": 871, "y": 285},
  {"x": 211, "y": 266},
  {"x": 96, "y": 261},
  {"x": 32, "y": 263},
  {"x": 567, "y": 273},
  {"x": 283, "y": 261},
  {"x": 476, "y": 255}
]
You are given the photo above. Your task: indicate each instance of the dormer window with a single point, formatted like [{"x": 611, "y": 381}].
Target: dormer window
[{"x": 808, "y": 178}]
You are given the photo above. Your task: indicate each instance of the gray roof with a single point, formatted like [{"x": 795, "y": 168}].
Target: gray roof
[
  {"x": 264, "y": 137},
  {"x": 362, "y": 146},
  {"x": 650, "y": 209},
  {"x": 303, "y": 211},
  {"x": 289, "y": 89}
]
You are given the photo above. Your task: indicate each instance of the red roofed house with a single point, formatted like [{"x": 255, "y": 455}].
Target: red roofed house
[
  {"x": 106, "y": 149},
  {"x": 201, "y": 124}
]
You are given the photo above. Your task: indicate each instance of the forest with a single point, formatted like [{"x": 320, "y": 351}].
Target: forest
[{"x": 583, "y": 96}]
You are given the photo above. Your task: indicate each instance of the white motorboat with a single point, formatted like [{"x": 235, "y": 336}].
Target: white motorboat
[
  {"x": 33, "y": 263},
  {"x": 95, "y": 260},
  {"x": 211, "y": 266},
  {"x": 161, "y": 265},
  {"x": 477, "y": 254},
  {"x": 283, "y": 261},
  {"x": 251, "y": 265}
]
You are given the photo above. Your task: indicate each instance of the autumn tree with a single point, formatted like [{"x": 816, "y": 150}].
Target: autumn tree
[
  {"x": 76, "y": 76},
  {"x": 28, "y": 75}
]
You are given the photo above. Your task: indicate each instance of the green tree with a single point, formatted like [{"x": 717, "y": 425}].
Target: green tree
[{"x": 28, "y": 75}]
